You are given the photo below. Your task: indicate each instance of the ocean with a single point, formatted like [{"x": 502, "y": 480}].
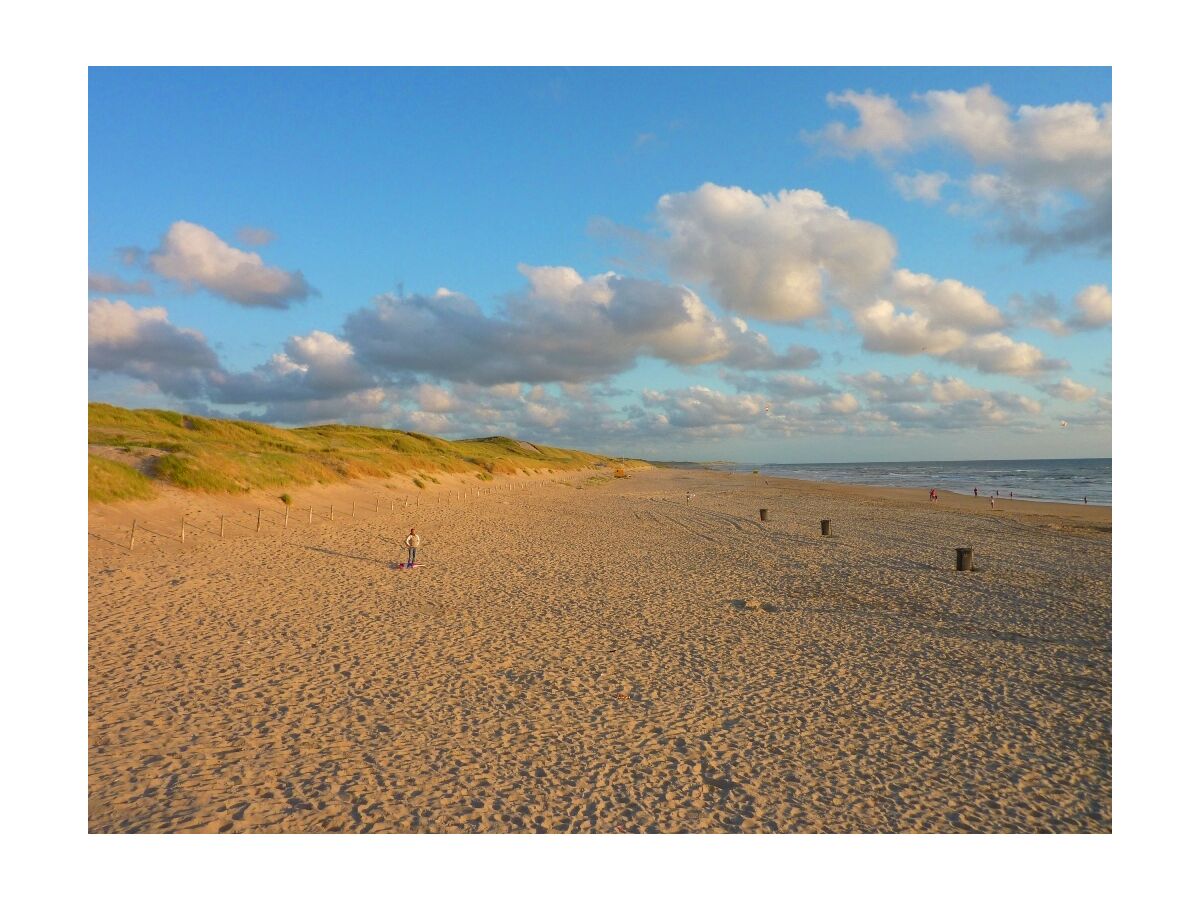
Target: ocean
[{"x": 1057, "y": 480}]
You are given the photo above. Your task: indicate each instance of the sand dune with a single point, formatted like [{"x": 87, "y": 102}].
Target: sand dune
[{"x": 600, "y": 656}]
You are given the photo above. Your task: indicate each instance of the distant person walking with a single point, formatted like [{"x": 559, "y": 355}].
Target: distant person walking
[
  {"x": 932, "y": 495},
  {"x": 412, "y": 542},
  {"x": 976, "y": 492},
  {"x": 992, "y": 500}
]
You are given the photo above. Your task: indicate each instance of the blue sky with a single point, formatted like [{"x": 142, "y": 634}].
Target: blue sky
[{"x": 950, "y": 285}]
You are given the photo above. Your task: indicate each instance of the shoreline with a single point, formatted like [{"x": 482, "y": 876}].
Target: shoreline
[{"x": 763, "y": 472}]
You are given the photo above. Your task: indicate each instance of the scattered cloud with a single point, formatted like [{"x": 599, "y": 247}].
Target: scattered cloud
[
  {"x": 781, "y": 257},
  {"x": 891, "y": 389},
  {"x": 130, "y": 256},
  {"x": 923, "y": 186},
  {"x": 312, "y": 367},
  {"x": 771, "y": 256},
  {"x": 101, "y": 283},
  {"x": 883, "y": 127},
  {"x": 143, "y": 344},
  {"x": 562, "y": 327},
  {"x": 702, "y": 408},
  {"x": 919, "y": 400},
  {"x": 255, "y": 237},
  {"x": 886, "y": 329},
  {"x": 783, "y": 386},
  {"x": 841, "y": 404},
  {"x": 194, "y": 257},
  {"x": 1044, "y": 173},
  {"x": 1066, "y": 389},
  {"x": 1091, "y": 310},
  {"x": 1040, "y": 311}
]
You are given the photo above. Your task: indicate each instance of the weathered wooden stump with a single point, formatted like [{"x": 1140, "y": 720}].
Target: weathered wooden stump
[
  {"x": 826, "y": 528},
  {"x": 963, "y": 560},
  {"x": 762, "y": 515}
]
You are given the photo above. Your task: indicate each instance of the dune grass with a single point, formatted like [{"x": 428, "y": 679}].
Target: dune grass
[
  {"x": 233, "y": 456},
  {"x": 113, "y": 482}
]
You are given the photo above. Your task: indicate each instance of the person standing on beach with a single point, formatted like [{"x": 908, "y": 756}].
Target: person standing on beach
[
  {"x": 993, "y": 502},
  {"x": 976, "y": 492},
  {"x": 932, "y": 495},
  {"x": 412, "y": 542}
]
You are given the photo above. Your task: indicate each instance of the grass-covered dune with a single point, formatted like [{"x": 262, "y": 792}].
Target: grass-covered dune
[{"x": 233, "y": 456}]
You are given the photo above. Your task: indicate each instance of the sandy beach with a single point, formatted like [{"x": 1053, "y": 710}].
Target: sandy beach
[{"x": 586, "y": 654}]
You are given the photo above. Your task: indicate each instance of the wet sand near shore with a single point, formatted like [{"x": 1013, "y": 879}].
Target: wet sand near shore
[{"x": 587, "y": 654}]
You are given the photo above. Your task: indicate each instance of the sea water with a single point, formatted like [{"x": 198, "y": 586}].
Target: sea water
[{"x": 1058, "y": 480}]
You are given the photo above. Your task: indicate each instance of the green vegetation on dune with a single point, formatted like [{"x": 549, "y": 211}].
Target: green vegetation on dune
[
  {"x": 233, "y": 456},
  {"x": 111, "y": 482}
]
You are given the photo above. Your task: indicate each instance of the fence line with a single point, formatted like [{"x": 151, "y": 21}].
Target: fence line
[{"x": 137, "y": 531}]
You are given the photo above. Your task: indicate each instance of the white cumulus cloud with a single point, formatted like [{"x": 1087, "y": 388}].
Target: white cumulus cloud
[
  {"x": 194, "y": 257},
  {"x": 1045, "y": 172},
  {"x": 771, "y": 256},
  {"x": 144, "y": 344}
]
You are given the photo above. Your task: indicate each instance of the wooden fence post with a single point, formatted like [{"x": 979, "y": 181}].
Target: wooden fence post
[
  {"x": 132, "y": 531},
  {"x": 377, "y": 506},
  {"x": 310, "y": 515},
  {"x": 222, "y": 526},
  {"x": 826, "y": 528},
  {"x": 258, "y": 527},
  {"x": 352, "y": 504},
  {"x": 286, "y": 510},
  {"x": 762, "y": 515},
  {"x": 963, "y": 559},
  {"x": 183, "y": 529},
  {"x": 330, "y": 512}
]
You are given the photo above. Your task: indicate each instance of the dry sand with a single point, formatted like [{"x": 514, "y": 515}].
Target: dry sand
[{"x": 601, "y": 657}]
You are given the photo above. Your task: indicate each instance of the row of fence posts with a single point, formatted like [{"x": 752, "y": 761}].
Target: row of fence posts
[{"x": 287, "y": 511}]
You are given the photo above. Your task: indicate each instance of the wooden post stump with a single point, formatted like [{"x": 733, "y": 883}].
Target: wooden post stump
[
  {"x": 222, "y": 526},
  {"x": 258, "y": 527},
  {"x": 183, "y": 529},
  {"x": 330, "y": 512},
  {"x": 310, "y": 515},
  {"x": 132, "y": 532},
  {"x": 963, "y": 559},
  {"x": 762, "y": 515},
  {"x": 826, "y": 528}
]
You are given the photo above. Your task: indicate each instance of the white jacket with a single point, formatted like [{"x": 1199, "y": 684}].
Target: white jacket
[{"x": 413, "y": 540}]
